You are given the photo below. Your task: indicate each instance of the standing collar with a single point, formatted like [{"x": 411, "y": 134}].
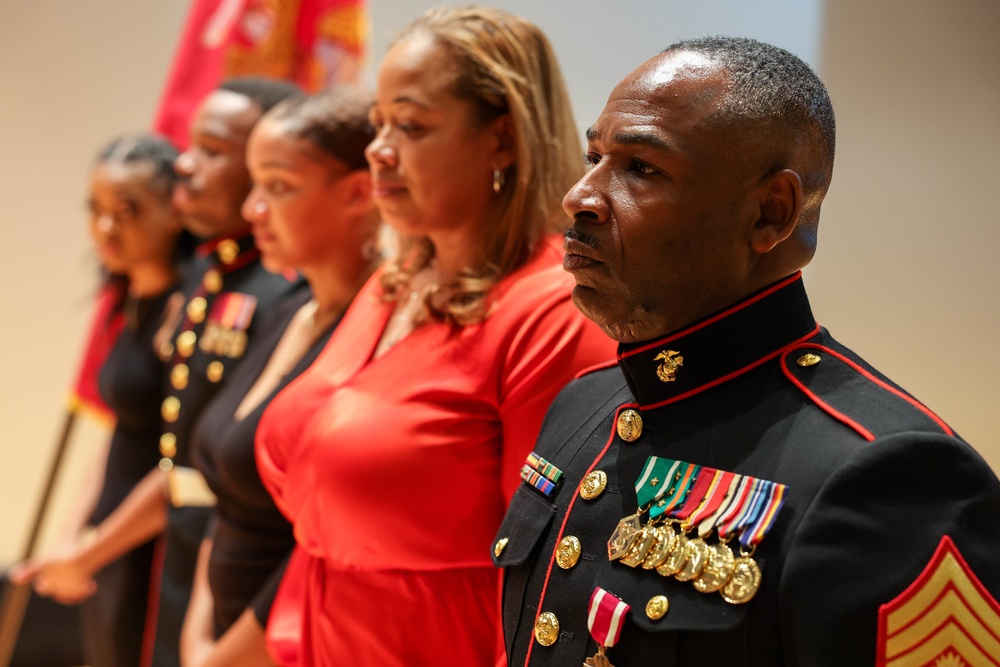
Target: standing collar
[
  {"x": 227, "y": 249},
  {"x": 719, "y": 347}
]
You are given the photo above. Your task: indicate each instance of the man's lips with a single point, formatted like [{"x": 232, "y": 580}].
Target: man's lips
[
  {"x": 183, "y": 195},
  {"x": 578, "y": 255}
]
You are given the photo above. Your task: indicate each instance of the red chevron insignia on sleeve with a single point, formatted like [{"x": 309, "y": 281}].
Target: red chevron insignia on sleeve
[{"x": 946, "y": 618}]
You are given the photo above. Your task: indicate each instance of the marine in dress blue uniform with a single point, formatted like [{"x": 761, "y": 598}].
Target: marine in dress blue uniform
[
  {"x": 709, "y": 164},
  {"x": 227, "y": 296}
]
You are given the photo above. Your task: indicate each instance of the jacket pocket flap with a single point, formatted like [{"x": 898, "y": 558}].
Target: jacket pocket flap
[{"x": 527, "y": 519}]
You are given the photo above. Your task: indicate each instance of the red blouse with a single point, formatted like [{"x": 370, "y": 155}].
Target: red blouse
[{"x": 396, "y": 471}]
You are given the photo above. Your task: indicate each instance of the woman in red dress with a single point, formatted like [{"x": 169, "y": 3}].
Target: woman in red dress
[{"x": 395, "y": 454}]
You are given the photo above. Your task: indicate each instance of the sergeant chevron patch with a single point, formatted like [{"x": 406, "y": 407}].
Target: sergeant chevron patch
[{"x": 946, "y": 618}]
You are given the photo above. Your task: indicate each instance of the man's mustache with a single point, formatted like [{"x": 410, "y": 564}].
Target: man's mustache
[{"x": 583, "y": 237}]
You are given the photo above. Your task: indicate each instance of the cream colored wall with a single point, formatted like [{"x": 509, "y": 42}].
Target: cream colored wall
[
  {"x": 904, "y": 274},
  {"x": 72, "y": 75},
  {"x": 907, "y": 271}
]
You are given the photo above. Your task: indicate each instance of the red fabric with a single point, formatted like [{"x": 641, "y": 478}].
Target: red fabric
[
  {"x": 314, "y": 43},
  {"x": 396, "y": 472},
  {"x": 105, "y": 325},
  {"x": 284, "y": 627},
  {"x": 606, "y": 617}
]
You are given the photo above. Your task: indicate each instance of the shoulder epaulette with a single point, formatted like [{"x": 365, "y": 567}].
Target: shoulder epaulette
[{"x": 854, "y": 395}]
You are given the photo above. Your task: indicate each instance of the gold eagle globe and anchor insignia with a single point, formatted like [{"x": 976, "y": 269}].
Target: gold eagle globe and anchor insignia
[{"x": 671, "y": 362}]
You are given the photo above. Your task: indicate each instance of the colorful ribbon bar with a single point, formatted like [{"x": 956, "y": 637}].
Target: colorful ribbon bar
[
  {"x": 709, "y": 499},
  {"x": 707, "y": 525},
  {"x": 750, "y": 537},
  {"x": 537, "y": 480},
  {"x": 233, "y": 310},
  {"x": 605, "y": 617},
  {"x": 714, "y": 495},
  {"x": 654, "y": 480},
  {"x": 697, "y": 494},
  {"x": 678, "y": 491},
  {"x": 754, "y": 505},
  {"x": 728, "y": 521},
  {"x": 540, "y": 465}
]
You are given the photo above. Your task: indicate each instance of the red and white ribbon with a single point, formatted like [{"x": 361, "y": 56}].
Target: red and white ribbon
[{"x": 605, "y": 617}]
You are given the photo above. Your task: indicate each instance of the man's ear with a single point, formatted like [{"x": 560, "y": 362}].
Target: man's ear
[
  {"x": 506, "y": 151},
  {"x": 780, "y": 201}
]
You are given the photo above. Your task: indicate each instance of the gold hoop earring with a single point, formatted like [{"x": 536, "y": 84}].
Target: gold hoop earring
[{"x": 498, "y": 180}]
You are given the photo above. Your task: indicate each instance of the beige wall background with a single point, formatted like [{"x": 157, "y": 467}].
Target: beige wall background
[{"x": 906, "y": 272}]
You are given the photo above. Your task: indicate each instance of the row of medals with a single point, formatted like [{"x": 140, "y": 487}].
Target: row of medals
[{"x": 709, "y": 567}]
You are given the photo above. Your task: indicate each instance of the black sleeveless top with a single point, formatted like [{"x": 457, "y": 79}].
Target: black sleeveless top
[
  {"x": 251, "y": 538},
  {"x": 131, "y": 383}
]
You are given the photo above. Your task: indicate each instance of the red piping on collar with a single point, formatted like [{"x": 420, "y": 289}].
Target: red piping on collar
[
  {"x": 736, "y": 373},
  {"x": 562, "y": 528},
  {"x": 715, "y": 318},
  {"x": 865, "y": 433},
  {"x": 206, "y": 248}
]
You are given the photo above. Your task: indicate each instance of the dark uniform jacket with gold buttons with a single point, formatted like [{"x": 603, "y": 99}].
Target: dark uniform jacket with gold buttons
[
  {"x": 228, "y": 295},
  {"x": 887, "y": 548}
]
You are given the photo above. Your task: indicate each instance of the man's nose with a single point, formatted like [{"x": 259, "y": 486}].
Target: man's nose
[
  {"x": 586, "y": 199},
  {"x": 184, "y": 164}
]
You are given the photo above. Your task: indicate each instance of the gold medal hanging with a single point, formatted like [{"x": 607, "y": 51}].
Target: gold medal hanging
[
  {"x": 625, "y": 533},
  {"x": 744, "y": 583},
  {"x": 664, "y": 543},
  {"x": 641, "y": 545},
  {"x": 694, "y": 564},
  {"x": 676, "y": 559},
  {"x": 718, "y": 569}
]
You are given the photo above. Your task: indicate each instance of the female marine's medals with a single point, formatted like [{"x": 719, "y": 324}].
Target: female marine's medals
[
  {"x": 605, "y": 618},
  {"x": 697, "y": 550}
]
